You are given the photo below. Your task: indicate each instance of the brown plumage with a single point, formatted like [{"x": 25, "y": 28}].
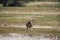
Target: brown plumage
[{"x": 29, "y": 25}]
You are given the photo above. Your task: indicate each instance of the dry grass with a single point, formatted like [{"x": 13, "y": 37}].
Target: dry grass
[
  {"x": 21, "y": 19},
  {"x": 30, "y": 9},
  {"x": 34, "y": 31}
]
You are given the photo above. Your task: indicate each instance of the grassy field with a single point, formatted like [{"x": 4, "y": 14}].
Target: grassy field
[
  {"x": 39, "y": 19},
  {"x": 33, "y": 8},
  {"x": 29, "y": 9},
  {"x": 34, "y": 31},
  {"x": 21, "y": 19}
]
